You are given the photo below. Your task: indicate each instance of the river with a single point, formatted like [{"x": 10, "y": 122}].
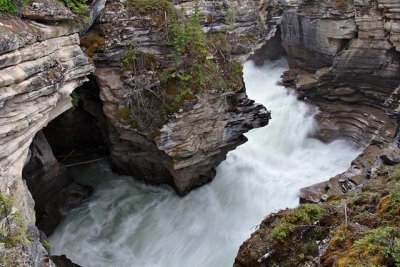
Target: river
[{"x": 127, "y": 223}]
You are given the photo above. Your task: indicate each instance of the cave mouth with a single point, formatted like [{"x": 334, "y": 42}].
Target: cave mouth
[{"x": 72, "y": 139}]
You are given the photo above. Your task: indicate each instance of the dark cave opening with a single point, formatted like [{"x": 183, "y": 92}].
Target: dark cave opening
[{"x": 73, "y": 138}]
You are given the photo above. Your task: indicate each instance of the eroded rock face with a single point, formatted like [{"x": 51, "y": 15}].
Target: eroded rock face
[
  {"x": 188, "y": 146},
  {"x": 345, "y": 63},
  {"x": 51, "y": 186},
  {"x": 40, "y": 65},
  {"x": 344, "y": 60},
  {"x": 313, "y": 40}
]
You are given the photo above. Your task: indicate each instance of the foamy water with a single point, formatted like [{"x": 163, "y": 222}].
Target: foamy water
[{"x": 126, "y": 223}]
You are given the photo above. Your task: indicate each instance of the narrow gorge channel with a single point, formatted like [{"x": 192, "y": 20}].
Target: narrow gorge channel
[{"x": 126, "y": 223}]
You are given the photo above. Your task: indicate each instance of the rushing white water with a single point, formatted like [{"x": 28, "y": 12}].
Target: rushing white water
[{"x": 126, "y": 223}]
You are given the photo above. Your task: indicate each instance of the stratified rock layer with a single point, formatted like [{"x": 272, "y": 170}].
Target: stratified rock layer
[
  {"x": 344, "y": 59},
  {"x": 193, "y": 141},
  {"x": 40, "y": 65}
]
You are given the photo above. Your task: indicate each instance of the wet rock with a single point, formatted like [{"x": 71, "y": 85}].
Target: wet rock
[
  {"x": 52, "y": 188},
  {"x": 63, "y": 261}
]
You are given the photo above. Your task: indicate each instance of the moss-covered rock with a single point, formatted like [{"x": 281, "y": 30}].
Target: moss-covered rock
[{"x": 349, "y": 230}]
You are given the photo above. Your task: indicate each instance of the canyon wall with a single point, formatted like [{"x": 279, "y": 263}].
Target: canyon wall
[
  {"x": 41, "y": 65},
  {"x": 344, "y": 58},
  {"x": 184, "y": 147}
]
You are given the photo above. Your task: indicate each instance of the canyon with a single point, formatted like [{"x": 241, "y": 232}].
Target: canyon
[{"x": 343, "y": 58}]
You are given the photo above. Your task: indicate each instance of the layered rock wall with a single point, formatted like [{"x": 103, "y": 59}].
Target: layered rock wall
[
  {"x": 40, "y": 66},
  {"x": 187, "y": 147},
  {"x": 344, "y": 58}
]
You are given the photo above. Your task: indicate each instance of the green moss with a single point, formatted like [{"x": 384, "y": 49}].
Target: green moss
[
  {"x": 389, "y": 206},
  {"x": 394, "y": 173},
  {"x": 124, "y": 114},
  {"x": 282, "y": 231},
  {"x": 376, "y": 248},
  {"x": 46, "y": 244},
  {"x": 304, "y": 214},
  {"x": 92, "y": 42},
  {"x": 143, "y": 6}
]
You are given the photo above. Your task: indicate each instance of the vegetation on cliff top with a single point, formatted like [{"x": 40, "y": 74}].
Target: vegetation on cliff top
[
  {"x": 321, "y": 235},
  {"x": 150, "y": 5},
  {"x": 11, "y": 6},
  {"x": 305, "y": 214},
  {"x": 76, "y": 6},
  {"x": 198, "y": 63},
  {"x": 12, "y": 225}
]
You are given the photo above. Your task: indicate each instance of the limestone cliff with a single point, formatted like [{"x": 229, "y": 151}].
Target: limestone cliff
[
  {"x": 184, "y": 146},
  {"x": 40, "y": 67},
  {"x": 344, "y": 59}
]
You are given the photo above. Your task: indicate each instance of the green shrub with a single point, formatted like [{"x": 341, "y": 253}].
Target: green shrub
[
  {"x": 304, "y": 214},
  {"x": 80, "y": 9},
  {"x": 396, "y": 251},
  {"x": 11, "y": 6},
  {"x": 230, "y": 17},
  {"x": 389, "y": 206},
  {"x": 76, "y": 6},
  {"x": 379, "y": 245},
  {"x": 198, "y": 63},
  {"x": 14, "y": 228},
  {"x": 395, "y": 199},
  {"x": 75, "y": 99},
  {"x": 282, "y": 231}
]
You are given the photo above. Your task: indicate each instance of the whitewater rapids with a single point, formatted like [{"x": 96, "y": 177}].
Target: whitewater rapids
[{"x": 127, "y": 223}]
